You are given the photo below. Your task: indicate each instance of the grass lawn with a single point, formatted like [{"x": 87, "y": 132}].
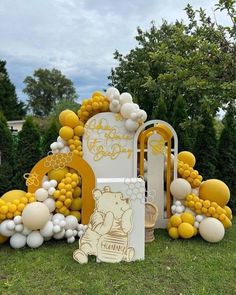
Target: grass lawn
[{"x": 170, "y": 267}]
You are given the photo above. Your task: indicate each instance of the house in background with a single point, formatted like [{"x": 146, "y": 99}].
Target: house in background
[{"x": 15, "y": 126}]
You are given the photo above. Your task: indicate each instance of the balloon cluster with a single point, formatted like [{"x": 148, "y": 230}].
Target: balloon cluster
[
  {"x": 182, "y": 226},
  {"x": 59, "y": 146},
  {"x": 123, "y": 104},
  {"x": 210, "y": 209},
  {"x": 72, "y": 130},
  {"x": 208, "y": 201},
  {"x": 14, "y": 208},
  {"x": 96, "y": 104},
  {"x": 68, "y": 194}
]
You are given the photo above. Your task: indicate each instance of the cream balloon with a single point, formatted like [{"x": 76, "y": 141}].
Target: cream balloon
[
  {"x": 35, "y": 215},
  {"x": 180, "y": 188},
  {"x": 211, "y": 230}
]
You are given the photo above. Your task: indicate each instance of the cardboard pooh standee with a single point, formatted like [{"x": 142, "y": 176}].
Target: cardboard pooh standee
[{"x": 107, "y": 234}]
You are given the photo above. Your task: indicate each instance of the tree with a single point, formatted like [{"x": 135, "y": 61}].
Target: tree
[
  {"x": 28, "y": 150},
  {"x": 205, "y": 148},
  {"x": 9, "y": 104},
  {"x": 6, "y": 156},
  {"x": 227, "y": 154},
  {"x": 196, "y": 60},
  {"x": 180, "y": 123},
  {"x": 160, "y": 110},
  {"x": 46, "y": 88},
  {"x": 50, "y": 135}
]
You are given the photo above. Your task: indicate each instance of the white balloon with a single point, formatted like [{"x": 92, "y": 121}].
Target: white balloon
[
  {"x": 56, "y": 151},
  {"x": 11, "y": 225},
  {"x": 136, "y": 107},
  {"x": 60, "y": 145},
  {"x": 125, "y": 97},
  {"x": 17, "y": 219},
  {"x": 47, "y": 230},
  {"x": 173, "y": 208},
  {"x": 131, "y": 125},
  {"x": 35, "y": 215},
  {"x": 75, "y": 232},
  {"x": 142, "y": 115},
  {"x": 71, "y": 240},
  {"x": 178, "y": 203},
  {"x": 80, "y": 233},
  {"x": 53, "y": 183},
  {"x": 127, "y": 109},
  {"x": 180, "y": 188},
  {"x": 58, "y": 216},
  {"x": 134, "y": 116},
  {"x": 60, "y": 235},
  {"x": 18, "y": 241},
  {"x": 26, "y": 231},
  {"x": 85, "y": 227},
  {"x": 19, "y": 228},
  {"x": 179, "y": 209},
  {"x": 196, "y": 224},
  {"x": 34, "y": 239},
  {"x": 54, "y": 146},
  {"x": 211, "y": 230},
  {"x": 69, "y": 233},
  {"x": 4, "y": 229},
  {"x": 65, "y": 150},
  {"x": 195, "y": 191},
  {"x": 59, "y": 139},
  {"x": 62, "y": 223},
  {"x": 111, "y": 92},
  {"x": 51, "y": 191},
  {"x": 115, "y": 102},
  {"x": 114, "y": 109},
  {"x": 50, "y": 203},
  {"x": 41, "y": 194},
  {"x": 46, "y": 185},
  {"x": 71, "y": 222},
  {"x": 199, "y": 218},
  {"x": 80, "y": 227},
  {"x": 56, "y": 229}
]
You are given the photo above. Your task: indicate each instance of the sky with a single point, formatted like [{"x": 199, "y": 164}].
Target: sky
[{"x": 79, "y": 37}]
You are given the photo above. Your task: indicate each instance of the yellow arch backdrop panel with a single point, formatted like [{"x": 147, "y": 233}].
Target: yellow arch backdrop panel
[{"x": 55, "y": 161}]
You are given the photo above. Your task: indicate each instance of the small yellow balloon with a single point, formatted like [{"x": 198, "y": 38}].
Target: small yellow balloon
[
  {"x": 173, "y": 233},
  {"x": 79, "y": 130},
  {"x": 71, "y": 120},
  {"x": 77, "y": 214},
  {"x": 188, "y": 217},
  {"x": 76, "y": 204},
  {"x": 175, "y": 220},
  {"x": 187, "y": 158}
]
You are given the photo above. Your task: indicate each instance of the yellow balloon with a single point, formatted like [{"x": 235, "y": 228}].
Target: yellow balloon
[
  {"x": 77, "y": 214},
  {"x": 226, "y": 223},
  {"x": 62, "y": 116},
  {"x": 215, "y": 190},
  {"x": 57, "y": 174},
  {"x": 79, "y": 130},
  {"x": 76, "y": 204},
  {"x": 175, "y": 220},
  {"x": 186, "y": 230},
  {"x": 66, "y": 132},
  {"x": 187, "y": 217},
  {"x": 71, "y": 120},
  {"x": 187, "y": 158},
  {"x": 3, "y": 239},
  {"x": 13, "y": 195},
  {"x": 173, "y": 233}
]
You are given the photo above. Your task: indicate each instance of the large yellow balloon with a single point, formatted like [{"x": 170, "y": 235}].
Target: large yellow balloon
[
  {"x": 71, "y": 120},
  {"x": 66, "y": 132},
  {"x": 187, "y": 158},
  {"x": 57, "y": 174},
  {"x": 63, "y": 115},
  {"x": 13, "y": 195},
  {"x": 215, "y": 190},
  {"x": 186, "y": 230}
]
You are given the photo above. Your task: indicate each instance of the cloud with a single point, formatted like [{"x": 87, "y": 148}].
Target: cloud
[{"x": 77, "y": 36}]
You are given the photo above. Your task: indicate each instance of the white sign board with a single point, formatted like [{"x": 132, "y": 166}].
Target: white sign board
[{"x": 108, "y": 146}]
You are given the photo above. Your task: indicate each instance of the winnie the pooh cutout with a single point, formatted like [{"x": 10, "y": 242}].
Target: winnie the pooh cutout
[{"x": 107, "y": 234}]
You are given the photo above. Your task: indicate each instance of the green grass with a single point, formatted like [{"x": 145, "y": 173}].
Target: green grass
[{"x": 170, "y": 267}]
